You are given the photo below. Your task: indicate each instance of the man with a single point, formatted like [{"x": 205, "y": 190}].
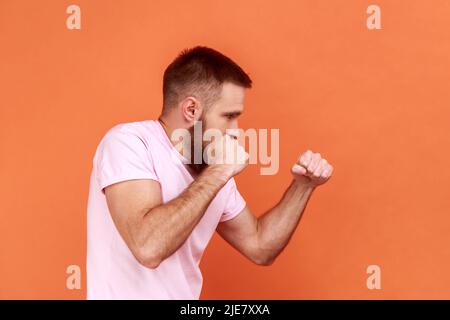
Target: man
[{"x": 152, "y": 211}]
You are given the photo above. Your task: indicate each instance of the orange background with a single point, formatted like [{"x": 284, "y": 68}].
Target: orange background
[{"x": 374, "y": 103}]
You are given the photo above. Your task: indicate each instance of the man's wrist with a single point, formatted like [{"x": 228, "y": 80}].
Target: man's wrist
[
  {"x": 218, "y": 173},
  {"x": 303, "y": 185}
]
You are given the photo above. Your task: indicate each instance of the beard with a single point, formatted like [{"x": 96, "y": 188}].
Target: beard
[{"x": 197, "y": 163}]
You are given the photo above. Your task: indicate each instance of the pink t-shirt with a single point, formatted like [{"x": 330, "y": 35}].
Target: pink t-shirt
[{"x": 142, "y": 150}]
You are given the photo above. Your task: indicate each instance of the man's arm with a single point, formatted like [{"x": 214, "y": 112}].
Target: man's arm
[
  {"x": 152, "y": 230},
  {"x": 262, "y": 239}
]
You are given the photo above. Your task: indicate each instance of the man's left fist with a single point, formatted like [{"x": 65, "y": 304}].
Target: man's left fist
[{"x": 312, "y": 169}]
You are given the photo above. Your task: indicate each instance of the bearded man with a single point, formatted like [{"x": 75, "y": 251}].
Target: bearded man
[{"x": 152, "y": 210}]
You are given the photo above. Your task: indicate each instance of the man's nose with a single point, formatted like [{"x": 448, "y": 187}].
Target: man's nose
[{"x": 233, "y": 132}]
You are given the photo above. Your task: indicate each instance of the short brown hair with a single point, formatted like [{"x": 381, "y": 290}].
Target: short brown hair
[{"x": 200, "y": 72}]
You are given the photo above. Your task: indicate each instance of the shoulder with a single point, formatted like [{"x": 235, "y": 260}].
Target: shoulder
[
  {"x": 138, "y": 128},
  {"x": 141, "y": 132}
]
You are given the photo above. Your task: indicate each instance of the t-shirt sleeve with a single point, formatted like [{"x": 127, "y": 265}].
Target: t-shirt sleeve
[
  {"x": 235, "y": 204},
  {"x": 123, "y": 156}
]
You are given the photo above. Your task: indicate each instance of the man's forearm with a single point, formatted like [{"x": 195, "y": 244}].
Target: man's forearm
[
  {"x": 165, "y": 227},
  {"x": 276, "y": 226}
]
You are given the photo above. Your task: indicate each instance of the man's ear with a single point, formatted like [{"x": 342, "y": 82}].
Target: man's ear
[{"x": 191, "y": 109}]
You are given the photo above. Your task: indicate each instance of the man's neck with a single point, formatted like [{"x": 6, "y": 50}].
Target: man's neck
[
  {"x": 195, "y": 169},
  {"x": 169, "y": 130}
]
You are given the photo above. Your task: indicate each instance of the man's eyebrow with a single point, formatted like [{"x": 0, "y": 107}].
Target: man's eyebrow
[{"x": 232, "y": 113}]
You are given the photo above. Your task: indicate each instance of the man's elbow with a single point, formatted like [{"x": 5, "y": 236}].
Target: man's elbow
[
  {"x": 148, "y": 258},
  {"x": 264, "y": 260}
]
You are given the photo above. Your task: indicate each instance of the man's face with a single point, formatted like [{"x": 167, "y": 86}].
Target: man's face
[{"x": 222, "y": 115}]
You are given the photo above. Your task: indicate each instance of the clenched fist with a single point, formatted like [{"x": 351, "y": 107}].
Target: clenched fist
[
  {"x": 227, "y": 155},
  {"x": 312, "y": 169}
]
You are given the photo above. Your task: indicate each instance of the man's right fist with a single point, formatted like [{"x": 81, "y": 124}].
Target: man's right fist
[{"x": 227, "y": 155}]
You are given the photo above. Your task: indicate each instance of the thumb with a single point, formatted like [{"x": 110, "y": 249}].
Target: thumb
[{"x": 298, "y": 169}]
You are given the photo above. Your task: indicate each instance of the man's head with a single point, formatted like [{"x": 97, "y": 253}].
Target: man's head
[
  {"x": 202, "y": 84},
  {"x": 197, "y": 75}
]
